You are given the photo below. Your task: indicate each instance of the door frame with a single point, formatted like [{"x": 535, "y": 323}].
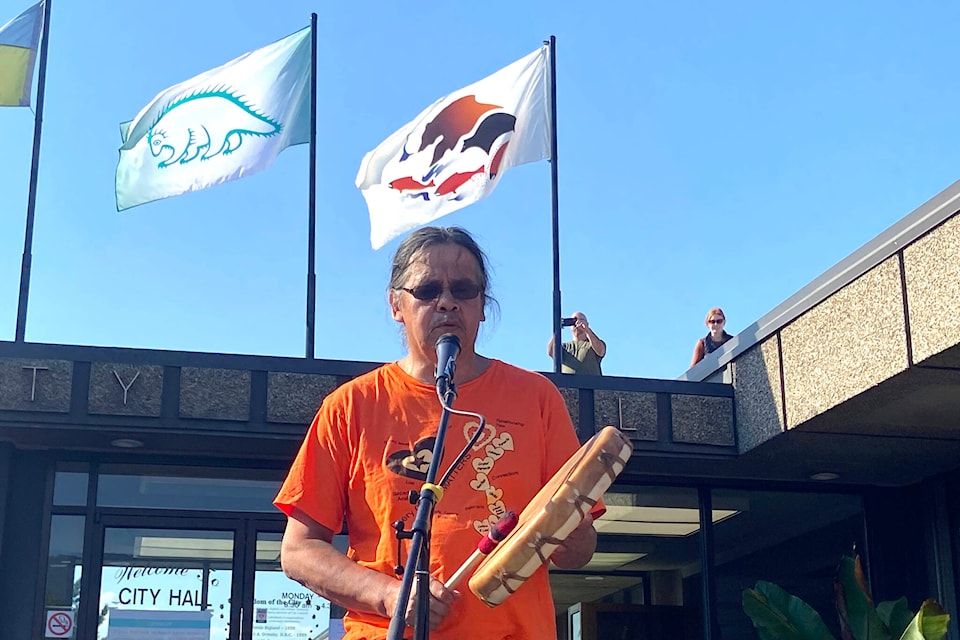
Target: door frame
[
  {"x": 252, "y": 526},
  {"x": 90, "y": 607}
]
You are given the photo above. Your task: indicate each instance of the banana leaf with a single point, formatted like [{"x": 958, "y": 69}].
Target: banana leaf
[
  {"x": 778, "y": 615},
  {"x": 857, "y": 614},
  {"x": 896, "y": 615},
  {"x": 929, "y": 624}
]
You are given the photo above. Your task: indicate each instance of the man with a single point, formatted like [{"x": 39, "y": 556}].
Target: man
[
  {"x": 371, "y": 444},
  {"x": 583, "y": 354}
]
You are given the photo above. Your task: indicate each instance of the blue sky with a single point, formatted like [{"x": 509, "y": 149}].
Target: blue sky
[{"x": 709, "y": 154}]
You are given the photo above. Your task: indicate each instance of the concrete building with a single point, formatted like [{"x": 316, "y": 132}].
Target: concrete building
[{"x": 136, "y": 485}]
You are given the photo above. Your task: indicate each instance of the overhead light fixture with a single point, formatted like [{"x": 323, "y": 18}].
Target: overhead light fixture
[
  {"x": 183, "y": 548},
  {"x": 655, "y": 521},
  {"x": 126, "y": 443},
  {"x": 824, "y": 475},
  {"x": 179, "y": 548},
  {"x": 608, "y": 561}
]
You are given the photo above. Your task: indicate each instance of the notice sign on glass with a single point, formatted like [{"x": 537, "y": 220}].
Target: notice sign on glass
[
  {"x": 284, "y": 609},
  {"x": 155, "y": 624}
]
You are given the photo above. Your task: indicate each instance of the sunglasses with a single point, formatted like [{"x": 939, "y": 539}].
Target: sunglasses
[
  {"x": 716, "y": 321},
  {"x": 461, "y": 290}
]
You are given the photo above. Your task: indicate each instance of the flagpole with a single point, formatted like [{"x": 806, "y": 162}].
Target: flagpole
[
  {"x": 32, "y": 198},
  {"x": 312, "y": 214},
  {"x": 555, "y": 210}
]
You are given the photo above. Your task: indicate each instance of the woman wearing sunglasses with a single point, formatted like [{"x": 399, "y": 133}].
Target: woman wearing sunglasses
[
  {"x": 714, "y": 338},
  {"x": 371, "y": 444}
]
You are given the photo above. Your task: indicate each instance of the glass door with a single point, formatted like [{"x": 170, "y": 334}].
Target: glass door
[
  {"x": 168, "y": 578},
  {"x": 281, "y": 608}
]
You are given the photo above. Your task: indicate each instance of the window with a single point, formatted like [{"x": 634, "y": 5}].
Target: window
[
  {"x": 64, "y": 569},
  {"x": 794, "y": 540},
  {"x": 188, "y": 488}
]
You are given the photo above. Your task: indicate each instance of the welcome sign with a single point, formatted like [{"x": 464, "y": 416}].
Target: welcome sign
[{"x": 167, "y": 603}]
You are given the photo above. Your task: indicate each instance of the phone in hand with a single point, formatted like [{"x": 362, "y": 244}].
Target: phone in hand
[{"x": 568, "y": 322}]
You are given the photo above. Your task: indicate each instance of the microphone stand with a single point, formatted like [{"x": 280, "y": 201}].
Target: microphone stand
[{"x": 418, "y": 562}]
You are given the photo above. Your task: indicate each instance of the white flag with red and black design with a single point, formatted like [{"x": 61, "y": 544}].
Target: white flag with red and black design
[{"x": 454, "y": 153}]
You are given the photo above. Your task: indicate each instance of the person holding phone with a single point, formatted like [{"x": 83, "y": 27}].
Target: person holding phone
[{"x": 583, "y": 354}]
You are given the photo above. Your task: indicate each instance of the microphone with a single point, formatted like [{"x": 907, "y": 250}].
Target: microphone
[{"x": 448, "y": 348}]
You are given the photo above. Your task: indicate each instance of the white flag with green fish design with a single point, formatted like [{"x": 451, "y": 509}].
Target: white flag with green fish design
[{"x": 221, "y": 125}]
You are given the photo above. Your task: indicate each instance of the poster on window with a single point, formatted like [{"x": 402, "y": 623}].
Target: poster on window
[
  {"x": 285, "y": 609},
  {"x": 157, "y": 624}
]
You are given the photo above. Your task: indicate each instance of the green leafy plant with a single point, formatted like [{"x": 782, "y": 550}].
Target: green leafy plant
[{"x": 778, "y": 615}]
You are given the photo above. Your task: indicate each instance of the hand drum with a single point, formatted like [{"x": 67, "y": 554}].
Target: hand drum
[{"x": 553, "y": 513}]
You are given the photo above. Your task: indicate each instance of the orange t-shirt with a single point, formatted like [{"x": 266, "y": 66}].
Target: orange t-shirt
[{"x": 371, "y": 444}]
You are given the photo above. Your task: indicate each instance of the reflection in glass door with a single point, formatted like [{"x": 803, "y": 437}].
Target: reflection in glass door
[
  {"x": 166, "y": 579},
  {"x": 283, "y": 608}
]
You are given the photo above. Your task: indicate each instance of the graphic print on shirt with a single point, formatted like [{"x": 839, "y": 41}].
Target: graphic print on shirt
[
  {"x": 491, "y": 446},
  {"x": 413, "y": 464}
]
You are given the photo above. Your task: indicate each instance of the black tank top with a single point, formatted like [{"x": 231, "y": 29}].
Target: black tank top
[{"x": 710, "y": 346}]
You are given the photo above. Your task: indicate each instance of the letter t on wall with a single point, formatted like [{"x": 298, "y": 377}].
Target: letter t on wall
[{"x": 33, "y": 385}]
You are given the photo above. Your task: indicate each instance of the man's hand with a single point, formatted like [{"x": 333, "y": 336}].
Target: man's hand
[
  {"x": 441, "y": 600},
  {"x": 577, "y": 549},
  {"x": 598, "y": 345}
]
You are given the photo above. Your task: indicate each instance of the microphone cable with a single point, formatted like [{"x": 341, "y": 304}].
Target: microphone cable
[{"x": 463, "y": 454}]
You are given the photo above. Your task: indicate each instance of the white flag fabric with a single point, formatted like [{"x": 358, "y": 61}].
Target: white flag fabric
[
  {"x": 454, "y": 153},
  {"x": 221, "y": 125}
]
